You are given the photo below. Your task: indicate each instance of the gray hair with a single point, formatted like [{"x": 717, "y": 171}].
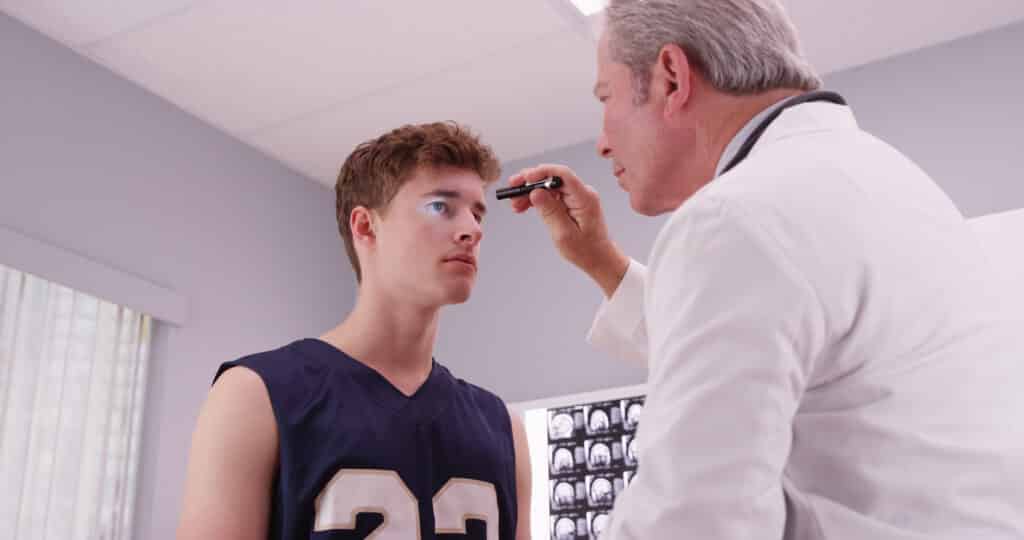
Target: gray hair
[{"x": 741, "y": 47}]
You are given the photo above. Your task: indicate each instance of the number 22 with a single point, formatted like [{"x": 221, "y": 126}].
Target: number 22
[{"x": 357, "y": 491}]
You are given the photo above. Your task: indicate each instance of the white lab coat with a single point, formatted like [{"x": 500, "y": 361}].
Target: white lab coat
[{"x": 828, "y": 355}]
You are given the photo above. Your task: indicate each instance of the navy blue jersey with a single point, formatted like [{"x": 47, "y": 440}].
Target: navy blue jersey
[{"x": 356, "y": 456}]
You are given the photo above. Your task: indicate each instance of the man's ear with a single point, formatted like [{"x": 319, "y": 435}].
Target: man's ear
[
  {"x": 672, "y": 77},
  {"x": 362, "y": 223}
]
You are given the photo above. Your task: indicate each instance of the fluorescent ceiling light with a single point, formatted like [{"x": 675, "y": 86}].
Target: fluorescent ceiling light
[{"x": 589, "y": 7}]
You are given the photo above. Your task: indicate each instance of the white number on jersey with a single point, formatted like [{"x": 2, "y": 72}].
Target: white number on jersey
[{"x": 361, "y": 491}]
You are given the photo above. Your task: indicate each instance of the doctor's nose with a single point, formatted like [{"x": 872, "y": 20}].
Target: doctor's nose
[{"x": 603, "y": 149}]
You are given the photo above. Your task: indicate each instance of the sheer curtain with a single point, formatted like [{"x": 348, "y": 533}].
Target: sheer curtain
[{"x": 72, "y": 378}]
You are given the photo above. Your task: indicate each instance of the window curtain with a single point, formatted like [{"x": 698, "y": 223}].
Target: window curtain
[{"x": 72, "y": 381}]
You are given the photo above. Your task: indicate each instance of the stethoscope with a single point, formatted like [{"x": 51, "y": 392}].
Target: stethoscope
[{"x": 748, "y": 144}]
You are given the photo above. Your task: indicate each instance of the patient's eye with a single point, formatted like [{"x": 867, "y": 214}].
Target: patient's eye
[{"x": 439, "y": 208}]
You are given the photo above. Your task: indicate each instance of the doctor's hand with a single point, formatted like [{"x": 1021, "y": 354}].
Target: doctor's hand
[{"x": 575, "y": 220}]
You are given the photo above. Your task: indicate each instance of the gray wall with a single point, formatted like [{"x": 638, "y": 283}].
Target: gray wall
[
  {"x": 957, "y": 109},
  {"x": 98, "y": 166}
]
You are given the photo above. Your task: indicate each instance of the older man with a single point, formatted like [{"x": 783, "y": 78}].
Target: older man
[{"x": 827, "y": 358}]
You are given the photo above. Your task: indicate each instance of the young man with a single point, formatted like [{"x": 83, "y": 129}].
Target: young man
[{"x": 361, "y": 433}]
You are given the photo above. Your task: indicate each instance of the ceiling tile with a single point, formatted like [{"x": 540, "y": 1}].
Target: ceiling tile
[
  {"x": 524, "y": 101},
  {"x": 80, "y": 23},
  {"x": 307, "y": 81},
  {"x": 840, "y": 35},
  {"x": 246, "y": 65}
]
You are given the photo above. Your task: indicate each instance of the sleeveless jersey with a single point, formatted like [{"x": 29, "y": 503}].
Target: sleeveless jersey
[{"x": 357, "y": 457}]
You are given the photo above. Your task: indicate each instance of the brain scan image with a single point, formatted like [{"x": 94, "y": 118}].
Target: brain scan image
[
  {"x": 601, "y": 491},
  {"x": 599, "y": 524},
  {"x": 561, "y": 426},
  {"x": 633, "y": 413},
  {"x": 598, "y": 421},
  {"x": 600, "y": 455},
  {"x": 565, "y": 529},
  {"x": 562, "y": 460},
  {"x": 564, "y": 494},
  {"x": 631, "y": 449}
]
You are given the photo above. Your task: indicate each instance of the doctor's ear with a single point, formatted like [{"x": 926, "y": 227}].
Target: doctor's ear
[{"x": 672, "y": 76}]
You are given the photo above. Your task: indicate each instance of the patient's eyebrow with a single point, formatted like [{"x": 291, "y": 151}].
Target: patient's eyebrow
[{"x": 479, "y": 206}]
